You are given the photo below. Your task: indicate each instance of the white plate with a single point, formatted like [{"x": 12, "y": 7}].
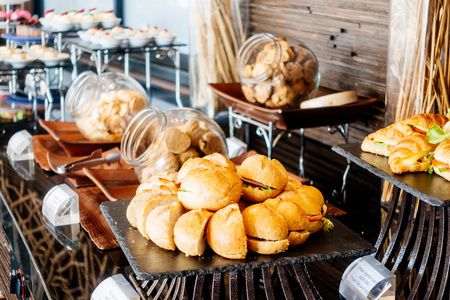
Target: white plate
[
  {"x": 165, "y": 40},
  {"x": 136, "y": 42},
  {"x": 110, "y": 43},
  {"x": 111, "y": 23},
  {"x": 54, "y": 61},
  {"x": 47, "y": 24},
  {"x": 87, "y": 25},
  {"x": 84, "y": 36},
  {"x": 20, "y": 63},
  {"x": 62, "y": 27}
]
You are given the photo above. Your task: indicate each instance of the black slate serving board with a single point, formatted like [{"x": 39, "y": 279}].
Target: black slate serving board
[
  {"x": 430, "y": 188},
  {"x": 149, "y": 262}
]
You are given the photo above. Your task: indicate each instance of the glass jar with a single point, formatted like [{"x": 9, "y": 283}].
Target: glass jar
[
  {"x": 275, "y": 73},
  {"x": 157, "y": 141},
  {"x": 103, "y": 105}
]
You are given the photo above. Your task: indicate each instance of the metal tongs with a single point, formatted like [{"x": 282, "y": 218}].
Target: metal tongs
[{"x": 88, "y": 162}]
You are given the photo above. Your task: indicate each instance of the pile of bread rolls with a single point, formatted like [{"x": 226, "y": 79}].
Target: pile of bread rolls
[
  {"x": 420, "y": 143},
  {"x": 256, "y": 206}
]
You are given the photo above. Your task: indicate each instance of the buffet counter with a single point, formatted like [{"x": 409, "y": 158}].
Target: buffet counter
[{"x": 61, "y": 265}]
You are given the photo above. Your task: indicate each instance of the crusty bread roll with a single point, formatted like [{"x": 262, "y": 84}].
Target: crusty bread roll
[
  {"x": 145, "y": 196},
  {"x": 383, "y": 140},
  {"x": 190, "y": 232},
  {"x": 296, "y": 238},
  {"x": 266, "y": 230},
  {"x": 441, "y": 161},
  {"x": 411, "y": 154},
  {"x": 146, "y": 207},
  {"x": 267, "y": 247},
  {"x": 270, "y": 176},
  {"x": 446, "y": 127},
  {"x": 225, "y": 233},
  {"x": 211, "y": 189},
  {"x": 291, "y": 212},
  {"x": 311, "y": 200},
  {"x": 295, "y": 218},
  {"x": 155, "y": 182},
  {"x": 194, "y": 163},
  {"x": 292, "y": 184},
  {"x": 160, "y": 224},
  {"x": 221, "y": 160}
]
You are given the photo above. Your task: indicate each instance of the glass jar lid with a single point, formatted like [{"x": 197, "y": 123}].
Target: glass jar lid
[{"x": 262, "y": 66}]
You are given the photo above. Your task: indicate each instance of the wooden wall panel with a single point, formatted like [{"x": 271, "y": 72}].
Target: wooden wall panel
[{"x": 350, "y": 40}]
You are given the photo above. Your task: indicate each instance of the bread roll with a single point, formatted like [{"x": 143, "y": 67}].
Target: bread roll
[
  {"x": 160, "y": 224},
  {"x": 263, "y": 223},
  {"x": 291, "y": 212},
  {"x": 190, "y": 232},
  {"x": 146, "y": 207},
  {"x": 411, "y": 154},
  {"x": 211, "y": 189},
  {"x": 145, "y": 196},
  {"x": 269, "y": 173},
  {"x": 296, "y": 238},
  {"x": 267, "y": 231},
  {"x": 441, "y": 161},
  {"x": 225, "y": 233},
  {"x": 221, "y": 160},
  {"x": 194, "y": 163}
]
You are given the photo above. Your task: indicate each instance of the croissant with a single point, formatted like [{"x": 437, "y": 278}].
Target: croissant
[
  {"x": 384, "y": 140},
  {"x": 412, "y": 154}
]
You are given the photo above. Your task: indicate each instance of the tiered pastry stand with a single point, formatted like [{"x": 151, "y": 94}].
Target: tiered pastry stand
[
  {"x": 272, "y": 124},
  {"x": 103, "y": 57},
  {"x": 414, "y": 241}
]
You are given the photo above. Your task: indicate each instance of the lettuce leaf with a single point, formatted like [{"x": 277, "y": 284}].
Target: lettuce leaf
[
  {"x": 380, "y": 145},
  {"x": 436, "y": 135}
]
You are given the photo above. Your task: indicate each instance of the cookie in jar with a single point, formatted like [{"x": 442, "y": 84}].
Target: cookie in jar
[
  {"x": 161, "y": 141},
  {"x": 275, "y": 73}
]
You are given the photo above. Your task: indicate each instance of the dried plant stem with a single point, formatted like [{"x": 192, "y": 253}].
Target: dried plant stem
[
  {"x": 216, "y": 43},
  {"x": 421, "y": 66}
]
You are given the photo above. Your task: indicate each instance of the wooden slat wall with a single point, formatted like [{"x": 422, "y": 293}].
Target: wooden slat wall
[{"x": 350, "y": 40}]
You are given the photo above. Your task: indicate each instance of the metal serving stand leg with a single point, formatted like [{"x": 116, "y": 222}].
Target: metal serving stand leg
[{"x": 281, "y": 282}]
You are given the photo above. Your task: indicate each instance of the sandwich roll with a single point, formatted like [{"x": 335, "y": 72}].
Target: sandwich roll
[
  {"x": 292, "y": 184},
  {"x": 153, "y": 182},
  {"x": 441, "y": 161},
  {"x": 211, "y": 189},
  {"x": 194, "y": 163},
  {"x": 221, "y": 160},
  {"x": 295, "y": 218},
  {"x": 145, "y": 196},
  {"x": 383, "y": 140},
  {"x": 412, "y": 154},
  {"x": 225, "y": 233},
  {"x": 146, "y": 207},
  {"x": 266, "y": 230},
  {"x": 160, "y": 224},
  {"x": 190, "y": 232},
  {"x": 311, "y": 200},
  {"x": 263, "y": 178}
]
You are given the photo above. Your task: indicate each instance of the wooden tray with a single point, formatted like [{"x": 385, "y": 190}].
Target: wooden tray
[
  {"x": 92, "y": 219},
  {"x": 71, "y": 140},
  {"x": 152, "y": 262},
  {"x": 115, "y": 184},
  {"x": 231, "y": 95}
]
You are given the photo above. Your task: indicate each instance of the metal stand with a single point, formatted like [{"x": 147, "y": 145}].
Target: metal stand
[
  {"x": 236, "y": 120},
  {"x": 281, "y": 283},
  {"x": 77, "y": 48}
]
